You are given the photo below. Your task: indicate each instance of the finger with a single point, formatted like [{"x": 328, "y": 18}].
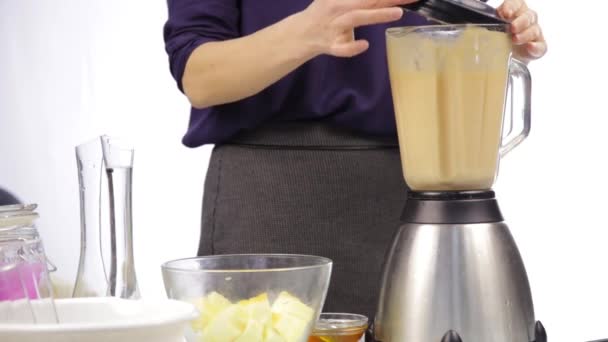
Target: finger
[
  {"x": 521, "y": 23},
  {"x": 349, "y": 49},
  {"x": 368, "y": 17},
  {"x": 386, "y": 3},
  {"x": 536, "y": 49},
  {"x": 344, "y": 6},
  {"x": 510, "y": 8},
  {"x": 531, "y": 34},
  {"x": 346, "y": 36}
]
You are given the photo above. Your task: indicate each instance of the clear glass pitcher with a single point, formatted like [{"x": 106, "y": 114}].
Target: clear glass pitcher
[
  {"x": 451, "y": 85},
  {"x": 106, "y": 266}
]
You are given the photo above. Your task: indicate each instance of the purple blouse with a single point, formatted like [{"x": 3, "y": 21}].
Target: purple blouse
[{"x": 353, "y": 93}]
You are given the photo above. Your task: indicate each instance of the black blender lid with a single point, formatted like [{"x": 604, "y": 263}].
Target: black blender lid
[{"x": 457, "y": 11}]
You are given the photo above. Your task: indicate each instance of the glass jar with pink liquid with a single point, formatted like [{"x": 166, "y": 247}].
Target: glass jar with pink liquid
[{"x": 24, "y": 275}]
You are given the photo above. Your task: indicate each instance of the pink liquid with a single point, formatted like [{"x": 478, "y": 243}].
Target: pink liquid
[{"x": 22, "y": 281}]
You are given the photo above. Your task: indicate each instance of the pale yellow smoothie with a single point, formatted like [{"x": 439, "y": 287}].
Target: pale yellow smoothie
[{"x": 449, "y": 96}]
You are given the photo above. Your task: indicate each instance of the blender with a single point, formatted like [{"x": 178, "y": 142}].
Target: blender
[{"x": 454, "y": 272}]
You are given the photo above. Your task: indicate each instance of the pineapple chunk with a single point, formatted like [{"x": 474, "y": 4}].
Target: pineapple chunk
[
  {"x": 258, "y": 309},
  {"x": 254, "y": 332},
  {"x": 286, "y": 304},
  {"x": 291, "y": 318},
  {"x": 291, "y": 328},
  {"x": 209, "y": 307},
  {"x": 270, "y": 335},
  {"x": 227, "y": 326}
]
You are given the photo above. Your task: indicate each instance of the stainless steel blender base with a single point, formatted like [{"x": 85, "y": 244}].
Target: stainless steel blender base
[
  {"x": 457, "y": 281},
  {"x": 540, "y": 335}
]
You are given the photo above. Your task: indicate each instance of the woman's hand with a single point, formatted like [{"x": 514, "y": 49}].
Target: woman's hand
[
  {"x": 527, "y": 34},
  {"x": 329, "y": 24},
  {"x": 220, "y": 72}
]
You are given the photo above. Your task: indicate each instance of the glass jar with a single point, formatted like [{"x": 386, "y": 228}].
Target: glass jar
[
  {"x": 339, "y": 327},
  {"x": 24, "y": 275}
]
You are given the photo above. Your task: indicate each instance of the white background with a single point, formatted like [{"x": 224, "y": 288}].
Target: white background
[{"x": 71, "y": 70}]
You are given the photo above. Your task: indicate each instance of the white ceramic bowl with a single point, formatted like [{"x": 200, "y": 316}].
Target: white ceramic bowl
[{"x": 107, "y": 319}]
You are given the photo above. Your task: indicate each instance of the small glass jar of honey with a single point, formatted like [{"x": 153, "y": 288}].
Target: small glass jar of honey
[{"x": 339, "y": 327}]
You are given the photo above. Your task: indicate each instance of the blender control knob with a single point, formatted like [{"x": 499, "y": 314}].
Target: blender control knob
[
  {"x": 451, "y": 336},
  {"x": 539, "y": 331}
]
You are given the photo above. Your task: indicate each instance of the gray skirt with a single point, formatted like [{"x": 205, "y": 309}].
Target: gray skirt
[{"x": 308, "y": 189}]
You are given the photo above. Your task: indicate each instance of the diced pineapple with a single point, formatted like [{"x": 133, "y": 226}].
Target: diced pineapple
[
  {"x": 252, "y": 320},
  {"x": 290, "y": 328},
  {"x": 290, "y": 317},
  {"x": 288, "y": 304},
  {"x": 227, "y": 325},
  {"x": 270, "y": 335},
  {"x": 258, "y": 309},
  {"x": 254, "y": 332},
  {"x": 209, "y": 307}
]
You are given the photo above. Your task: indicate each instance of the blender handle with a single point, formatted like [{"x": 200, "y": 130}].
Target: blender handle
[{"x": 520, "y": 81}]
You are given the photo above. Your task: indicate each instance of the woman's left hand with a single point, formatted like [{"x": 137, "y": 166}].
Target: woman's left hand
[{"x": 527, "y": 34}]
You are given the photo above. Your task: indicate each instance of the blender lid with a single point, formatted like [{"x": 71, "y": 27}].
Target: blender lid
[{"x": 457, "y": 11}]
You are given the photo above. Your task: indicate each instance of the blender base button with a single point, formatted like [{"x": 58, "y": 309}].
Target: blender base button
[
  {"x": 540, "y": 333},
  {"x": 451, "y": 336}
]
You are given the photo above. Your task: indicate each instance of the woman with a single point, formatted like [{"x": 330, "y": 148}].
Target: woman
[{"x": 296, "y": 97}]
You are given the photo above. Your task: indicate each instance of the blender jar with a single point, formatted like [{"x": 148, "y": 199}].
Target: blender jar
[{"x": 450, "y": 84}]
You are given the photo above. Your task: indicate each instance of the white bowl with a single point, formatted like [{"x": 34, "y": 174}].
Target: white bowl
[{"x": 107, "y": 319}]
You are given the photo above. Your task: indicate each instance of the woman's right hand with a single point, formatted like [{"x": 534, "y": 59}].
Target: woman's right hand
[
  {"x": 219, "y": 72},
  {"x": 329, "y": 24}
]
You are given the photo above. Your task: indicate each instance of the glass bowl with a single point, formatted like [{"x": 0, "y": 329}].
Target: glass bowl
[{"x": 253, "y": 297}]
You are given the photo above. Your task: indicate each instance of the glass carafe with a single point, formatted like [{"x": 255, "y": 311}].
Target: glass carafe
[
  {"x": 106, "y": 268},
  {"x": 450, "y": 86}
]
